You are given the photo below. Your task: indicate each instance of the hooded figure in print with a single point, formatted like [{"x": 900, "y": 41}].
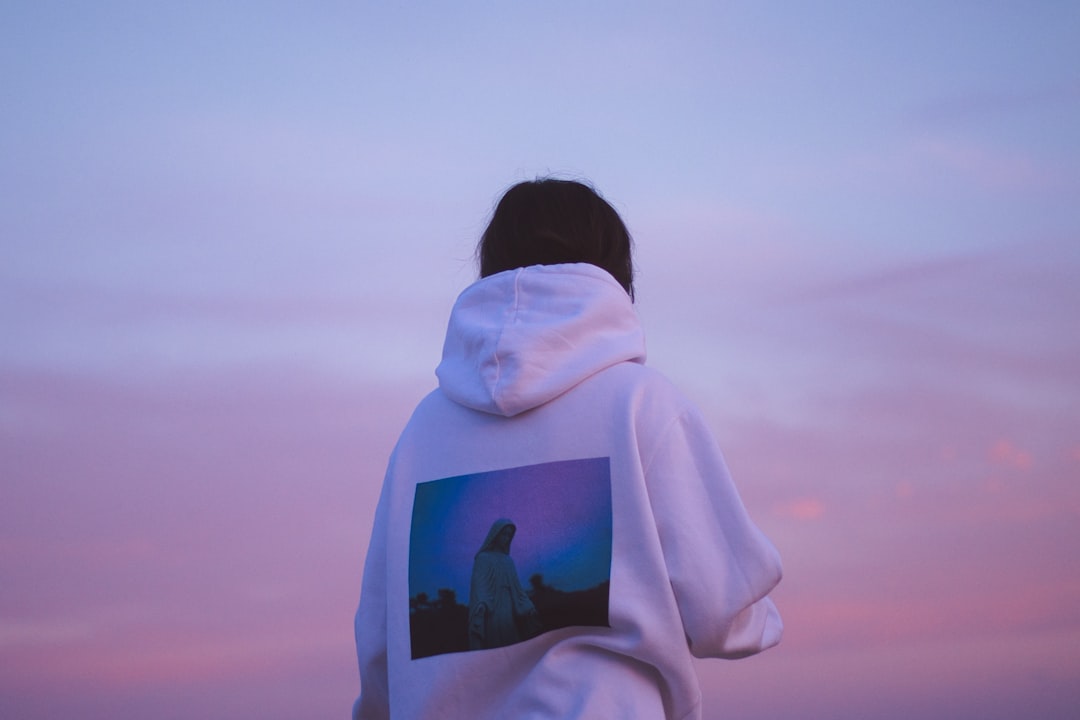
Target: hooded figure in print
[{"x": 500, "y": 613}]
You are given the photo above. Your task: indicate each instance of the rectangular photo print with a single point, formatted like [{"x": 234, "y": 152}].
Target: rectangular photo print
[{"x": 499, "y": 557}]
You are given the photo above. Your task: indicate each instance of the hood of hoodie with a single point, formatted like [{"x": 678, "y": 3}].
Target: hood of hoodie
[{"x": 522, "y": 337}]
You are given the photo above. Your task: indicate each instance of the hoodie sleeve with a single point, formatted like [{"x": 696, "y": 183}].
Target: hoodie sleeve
[
  {"x": 721, "y": 566},
  {"x": 370, "y": 626}
]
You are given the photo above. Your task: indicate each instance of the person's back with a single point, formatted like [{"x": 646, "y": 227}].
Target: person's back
[{"x": 548, "y": 432}]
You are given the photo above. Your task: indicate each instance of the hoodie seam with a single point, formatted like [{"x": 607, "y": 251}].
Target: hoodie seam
[
  {"x": 662, "y": 437},
  {"x": 498, "y": 342}
]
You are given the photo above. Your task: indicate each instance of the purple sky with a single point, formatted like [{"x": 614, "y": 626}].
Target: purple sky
[{"x": 232, "y": 233}]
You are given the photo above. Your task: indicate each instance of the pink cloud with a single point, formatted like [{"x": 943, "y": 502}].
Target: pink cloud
[
  {"x": 803, "y": 509},
  {"x": 995, "y": 168},
  {"x": 928, "y": 678},
  {"x": 1006, "y": 454},
  {"x": 203, "y": 530}
]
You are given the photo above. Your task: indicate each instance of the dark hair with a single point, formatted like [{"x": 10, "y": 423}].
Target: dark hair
[{"x": 549, "y": 221}]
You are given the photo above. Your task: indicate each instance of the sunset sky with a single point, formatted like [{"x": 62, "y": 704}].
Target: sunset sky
[{"x": 232, "y": 233}]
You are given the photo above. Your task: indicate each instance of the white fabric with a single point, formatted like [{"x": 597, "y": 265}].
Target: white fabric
[{"x": 543, "y": 364}]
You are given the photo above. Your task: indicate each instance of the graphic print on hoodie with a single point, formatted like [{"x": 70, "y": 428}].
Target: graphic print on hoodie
[{"x": 500, "y": 557}]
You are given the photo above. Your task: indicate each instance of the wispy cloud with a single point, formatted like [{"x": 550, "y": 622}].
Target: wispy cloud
[
  {"x": 974, "y": 106},
  {"x": 186, "y": 532}
]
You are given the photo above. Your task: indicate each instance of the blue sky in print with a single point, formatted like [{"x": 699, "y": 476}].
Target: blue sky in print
[{"x": 562, "y": 511}]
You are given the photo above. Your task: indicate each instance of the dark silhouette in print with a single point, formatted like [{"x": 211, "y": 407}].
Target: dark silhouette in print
[
  {"x": 500, "y": 613},
  {"x": 438, "y": 626},
  {"x": 559, "y": 608}
]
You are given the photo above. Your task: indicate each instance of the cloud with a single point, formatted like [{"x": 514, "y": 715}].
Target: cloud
[
  {"x": 966, "y": 108},
  {"x": 184, "y": 532},
  {"x": 90, "y": 328},
  {"x": 995, "y": 168},
  {"x": 1006, "y": 454},
  {"x": 803, "y": 509}
]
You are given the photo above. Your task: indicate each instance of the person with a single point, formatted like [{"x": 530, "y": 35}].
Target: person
[
  {"x": 543, "y": 366},
  {"x": 500, "y": 613}
]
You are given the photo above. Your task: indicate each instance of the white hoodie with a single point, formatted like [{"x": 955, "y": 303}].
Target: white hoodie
[{"x": 623, "y": 518}]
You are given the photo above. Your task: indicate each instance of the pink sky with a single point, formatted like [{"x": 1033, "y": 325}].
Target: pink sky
[{"x": 231, "y": 239}]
